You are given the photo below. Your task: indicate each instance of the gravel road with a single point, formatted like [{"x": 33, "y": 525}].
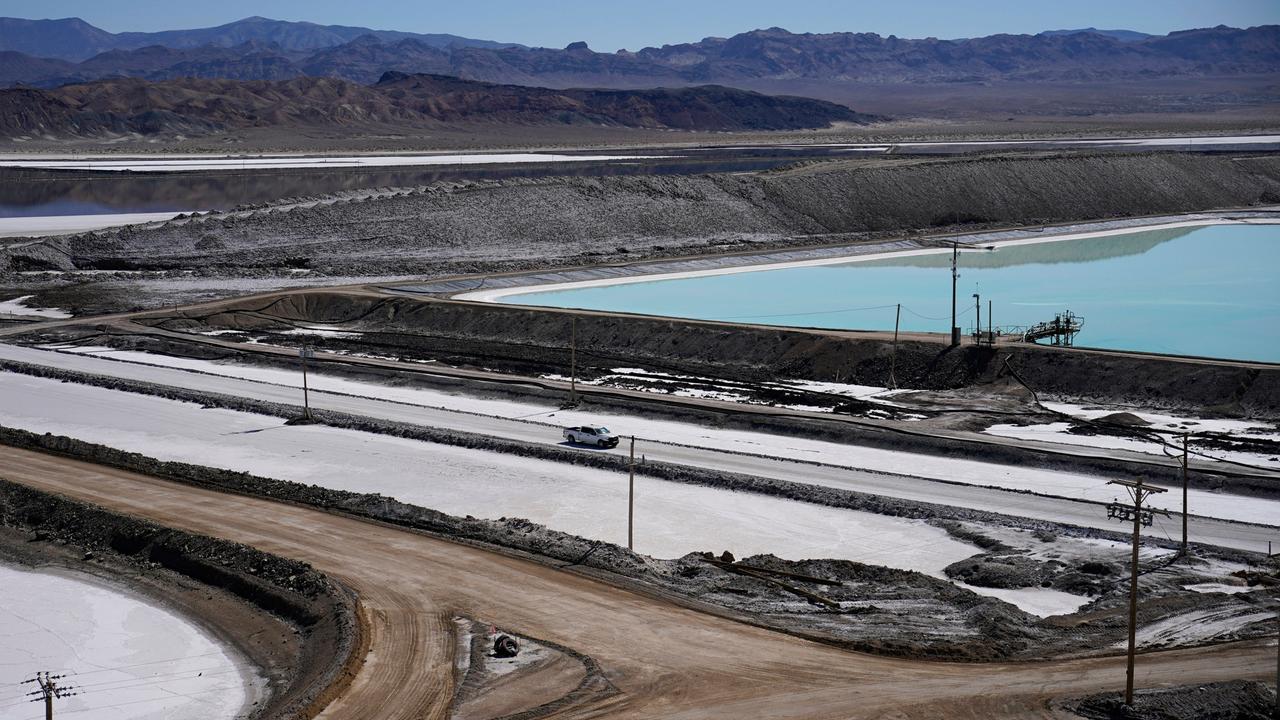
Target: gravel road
[
  {"x": 1219, "y": 532},
  {"x": 662, "y": 660}
]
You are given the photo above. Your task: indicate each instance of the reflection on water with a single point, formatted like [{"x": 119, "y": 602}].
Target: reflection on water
[
  {"x": 26, "y": 193},
  {"x": 1209, "y": 291},
  {"x": 1073, "y": 251}
]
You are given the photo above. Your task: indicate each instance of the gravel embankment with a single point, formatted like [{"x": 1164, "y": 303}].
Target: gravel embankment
[
  {"x": 530, "y": 341},
  {"x": 1236, "y": 700},
  {"x": 531, "y": 223}
]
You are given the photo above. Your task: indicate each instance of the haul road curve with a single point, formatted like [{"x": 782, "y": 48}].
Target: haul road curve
[{"x": 665, "y": 661}]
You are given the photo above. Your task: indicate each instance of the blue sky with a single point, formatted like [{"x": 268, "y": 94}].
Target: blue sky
[{"x": 608, "y": 26}]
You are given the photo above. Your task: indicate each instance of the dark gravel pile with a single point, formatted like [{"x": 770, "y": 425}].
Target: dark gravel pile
[
  {"x": 522, "y": 223},
  {"x": 287, "y": 587},
  {"x": 1236, "y": 700}
]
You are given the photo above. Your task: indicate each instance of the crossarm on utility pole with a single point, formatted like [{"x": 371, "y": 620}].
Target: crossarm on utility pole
[{"x": 1138, "y": 491}]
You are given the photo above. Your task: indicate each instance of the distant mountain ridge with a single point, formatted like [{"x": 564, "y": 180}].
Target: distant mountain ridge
[
  {"x": 191, "y": 107},
  {"x": 1123, "y": 35},
  {"x": 260, "y": 49},
  {"x": 74, "y": 40}
]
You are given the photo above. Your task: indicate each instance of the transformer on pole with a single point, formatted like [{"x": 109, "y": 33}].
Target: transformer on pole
[{"x": 1138, "y": 492}]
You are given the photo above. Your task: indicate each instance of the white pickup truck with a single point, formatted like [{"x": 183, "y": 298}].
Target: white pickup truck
[{"x": 591, "y": 435}]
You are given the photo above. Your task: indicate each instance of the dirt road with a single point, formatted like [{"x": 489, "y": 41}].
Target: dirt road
[{"x": 665, "y": 661}]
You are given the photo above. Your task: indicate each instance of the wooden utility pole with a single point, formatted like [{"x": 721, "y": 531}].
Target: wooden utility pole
[
  {"x": 955, "y": 275},
  {"x": 991, "y": 330},
  {"x": 893, "y": 363},
  {"x": 49, "y": 690},
  {"x": 573, "y": 359},
  {"x": 1186, "y": 437},
  {"x": 1139, "y": 492},
  {"x": 631, "y": 497},
  {"x": 977, "y": 324},
  {"x": 303, "y": 353}
]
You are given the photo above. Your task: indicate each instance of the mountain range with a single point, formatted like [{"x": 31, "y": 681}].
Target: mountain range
[
  {"x": 49, "y": 53},
  {"x": 73, "y": 39},
  {"x": 193, "y": 107}
]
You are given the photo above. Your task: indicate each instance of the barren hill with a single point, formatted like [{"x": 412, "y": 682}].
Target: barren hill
[{"x": 194, "y": 107}]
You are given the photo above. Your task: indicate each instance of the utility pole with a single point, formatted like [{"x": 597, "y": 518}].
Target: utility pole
[
  {"x": 1138, "y": 492},
  {"x": 991, "y": 330},
  {"x": 893, "y": 363},
  {"x": 977, "y": 325},
  {"x": 305, "y": 352},
  {"x": 955, "y": 275},
  {"x": 49, "y": 690},
  {"x": 573, "y": 360},
  {"x": 1186, "y": 437},
  {"x": 631, "y": 497}
]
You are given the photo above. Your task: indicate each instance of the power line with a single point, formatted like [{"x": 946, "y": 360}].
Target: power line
[
  {"x": 928, "y": 317},
  {"x": 814, "y": 312},
  {"x": 48, "y": 690}
]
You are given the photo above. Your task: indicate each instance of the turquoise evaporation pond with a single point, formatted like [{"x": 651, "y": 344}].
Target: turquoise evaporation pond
[{"x": 1211, "y": 291}]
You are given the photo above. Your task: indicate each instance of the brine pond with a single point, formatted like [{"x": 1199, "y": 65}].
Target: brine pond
[{"x": 1210, "y": 291}]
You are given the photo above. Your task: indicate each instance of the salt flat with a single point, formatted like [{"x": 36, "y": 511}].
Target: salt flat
[
  {"x": 189, "y": 164},
  {"x": 63, "y": 224},
  {"x": 18, "y": 307},
  {"x": 128, "y": 659},
  {"x": 531, "y": 414},
  {"x": 672, "y": 519}
]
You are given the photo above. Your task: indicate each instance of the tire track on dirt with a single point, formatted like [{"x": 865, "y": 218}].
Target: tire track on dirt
[{"x": 666, "y": 661}]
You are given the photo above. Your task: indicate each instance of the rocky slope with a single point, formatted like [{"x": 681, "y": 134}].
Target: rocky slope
[
  {"x": 196, "y": 107},
  {"x": 524, "y": 223}
]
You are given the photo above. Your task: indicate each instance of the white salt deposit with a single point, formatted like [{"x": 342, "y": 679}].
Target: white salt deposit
[
  {"x": 128, "y": 659},
  {"x": 18, "y": 306}
]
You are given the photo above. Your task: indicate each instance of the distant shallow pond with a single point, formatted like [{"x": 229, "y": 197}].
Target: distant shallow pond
[{"x": 1210, "y": 291}]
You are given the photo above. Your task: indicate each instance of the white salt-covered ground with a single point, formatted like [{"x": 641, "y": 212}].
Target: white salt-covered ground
[
  {"x": 685, "y": 386},
  {"x": 1171, "y": 423},
  {"x": 18, "y": 306},
  {"x": 62, "y": 224},
  {"x": 1217, "y": 588},
  {"x": 671, "y": 519},
  {"x": 1170, "y": 426},
  {"x": 181, "y": 164},
  {"x": 1198, "y": 626},
  {"x": 1043, "y": 602},
  {"x": 1059, "y": 433},
  {"x": 969, "y": 472},
  {"x": 128, "y": 659}
]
